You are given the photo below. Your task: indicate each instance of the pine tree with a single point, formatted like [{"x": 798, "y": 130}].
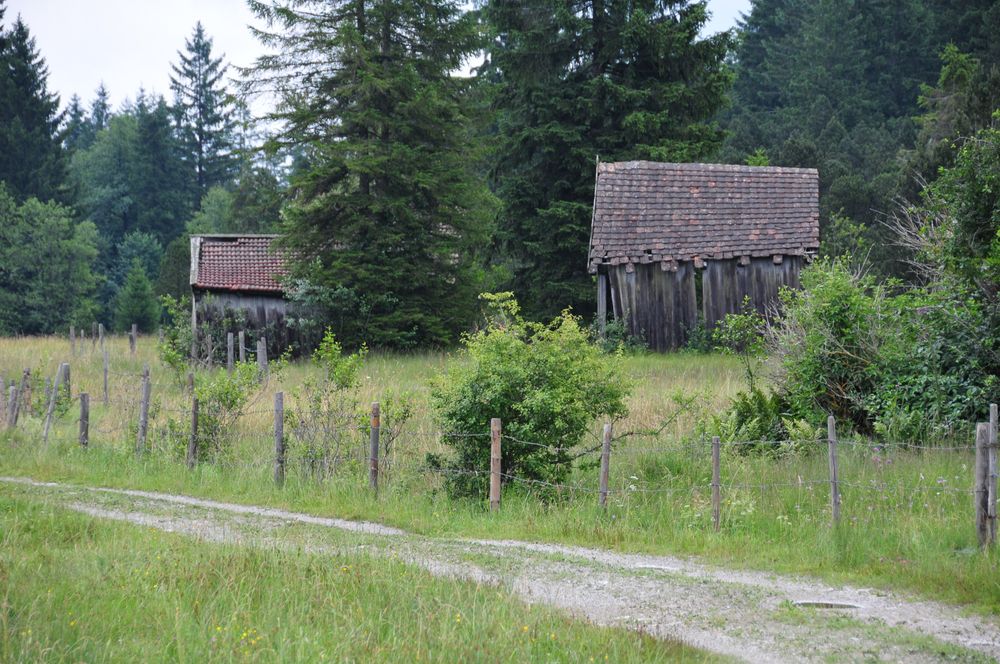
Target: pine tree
[
  {"x": 204, "y": 112},
  {"x": 387, "y": 215},
  {"x": 31, "y": 158},
  {"x": 75, "y": 129},
  {"x": 136, "y": 302},
  {"x": 159, "y": 183},
  {"x": 615, "y": 79},
  {"x": 100, "y": 109}
]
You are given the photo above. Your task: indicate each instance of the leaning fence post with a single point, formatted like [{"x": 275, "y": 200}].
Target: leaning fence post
[
  {"x": 67, "y": 381},
  {"x": 93, "y": 336},
  {"x": 495, "y": 469},
  {"x": 831, "y": 440},
  {"x": 52, "y": 402},
  {"x": 980, "y": 491},
  {"x": 140, "y": 441},
  {"x": 605, "y": 466},
  {"x": 133, "y": 339},
  {"x": 991, "y": 488},
  {"x": 279, "y": 438},
  {"x": 84, "y": 419},
  {"x": 242, "y": 342},
  {"x": 716, "y": 483},
  {"x": 229, "y": 353},
  {"x": 373, "y": 447},
  {"x": 190, "y": 382},
  {"x": 192, "y": 453}
]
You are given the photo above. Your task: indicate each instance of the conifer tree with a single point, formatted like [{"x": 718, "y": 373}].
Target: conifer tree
[
  {"x": 31, "y": 158},
  {"x": 387, "y": 215},
  {"x": 615, "y": 79},
  {"x": 136, "y": 302},
  {"x": 100, "y": 109},
  {"x": 204, "y": 112}
]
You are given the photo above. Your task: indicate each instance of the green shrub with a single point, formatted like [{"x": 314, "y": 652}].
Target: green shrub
[
  {"x": 135, "y": 302},
  {"x": 617, "y": 338},
  {"x": 222, "y": 401},
  {"x": 547, "y": 383}
]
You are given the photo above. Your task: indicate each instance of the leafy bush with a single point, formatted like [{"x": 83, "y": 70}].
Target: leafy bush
[
  {"x": 616, "y": 337},
  {"x": 222, "y": 400},
  {"x": 547, "y": 383}
]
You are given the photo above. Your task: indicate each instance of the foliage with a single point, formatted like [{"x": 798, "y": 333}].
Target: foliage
[
  {"x": 616, "y": 337},
  {"x": 760, "y": 421},
  {"x": 572, "y": 81},
  {"x": 222, "y": 400},
  {"x": 547, "y": 383},
  {"x": 203, "y": 112},
  {"x": 214, "y": 214},
  {"x": 135, "y": 302},
  {"x": 175, "y": 348},
  {"x": 386, "y": 210},
  {"x": 175, "y": 269},
  {"x": 47, "y": 261},
  {"x": 742, "y": 335}
]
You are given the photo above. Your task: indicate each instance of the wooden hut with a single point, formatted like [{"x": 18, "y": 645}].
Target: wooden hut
[
  {"x": 238, "y": 274},
  {"x": 671, "y": 240}
]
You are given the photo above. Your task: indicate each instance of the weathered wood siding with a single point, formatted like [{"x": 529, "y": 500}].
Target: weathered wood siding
[
  {"x": 260, "y": 310},
  {"x": 657, "y": 304},
  {"x": 726, "y": 283}
]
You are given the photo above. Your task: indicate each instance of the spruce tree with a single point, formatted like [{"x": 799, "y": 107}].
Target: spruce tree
[
  {"x": 100, "y": 109},
  {"x": 31, "y": 157},
  {"x": 204, "y": 112},
  {"x": 136, "y": 302},
  {"x": 386, "y": 215},
  {"x": 615, "y": 79}
]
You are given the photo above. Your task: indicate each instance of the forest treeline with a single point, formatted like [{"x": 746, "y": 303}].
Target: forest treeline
[{"x": 420, "y": 152}]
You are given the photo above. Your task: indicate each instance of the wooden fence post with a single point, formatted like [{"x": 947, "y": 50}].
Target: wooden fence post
[
  {"x": 262, "y": 356},
  {"x": 24, "y": 392},
  {"x": 716, "y": 483},
  {"x": 52, "y": 401},
  {"x": 991, "y": 488},
  {"x": 104, "y": 351},
  {"x": 229, "y": 353},
  {"x": 496, "y": 430},
  {"x": 93, "y": 336},
  {"x": 67, "y": 381},
  {"x": 12, "y": 407},
  {"x": 373, "y": 442},
  {"x": 190, "y": 383},
  {"x": 602, "y": 499},
  {"x": 279, "y": 438},
  {"x": 100, "y": 333},
  {"x": 84, "y": 419},
  {"x": 980, "y": 492},
  {"x": 140, "y": 440},
  {"x": 3, "y": 400},
  {"x": 243, "y": 343},
  {"x": 192, "y": 453},
  {"x": 831, "y": 440},
  {"x": 72, "y": 340},
  {"x": 133, "y": 339}
]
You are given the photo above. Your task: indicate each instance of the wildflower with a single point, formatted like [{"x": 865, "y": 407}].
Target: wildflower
[{"x": 524, "y": 628}]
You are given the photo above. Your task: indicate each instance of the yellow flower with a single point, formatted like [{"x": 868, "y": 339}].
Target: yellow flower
[{"x": 524, "y": 628}]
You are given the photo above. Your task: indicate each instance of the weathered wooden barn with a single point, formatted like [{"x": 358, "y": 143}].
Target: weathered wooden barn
[
  {"x": 237, "y": 276},
  {"x": 670, "y": 241}
]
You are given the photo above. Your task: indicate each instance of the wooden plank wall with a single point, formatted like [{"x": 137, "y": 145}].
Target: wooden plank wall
[
  {"x": 661, "y": 306},
  {"x": 657, "y": 304}
]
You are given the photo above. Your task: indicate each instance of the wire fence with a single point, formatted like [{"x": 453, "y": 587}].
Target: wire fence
[{"x": 136, "y": 411}]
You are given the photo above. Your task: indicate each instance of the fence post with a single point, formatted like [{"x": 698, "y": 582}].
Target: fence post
[
  {"x": 24, "y": 392},
  {"x": 84, "y": 419},
  {"x": 52, "y": 401},
  {"x": 192, "y": 453},
  {"x": 190, "y": 383},
  {"x": 831, "y": 440},
  {"x": 72, "y": 340},
  {"x": 100, "y": 333},
  {"x": 716, "y": 483},
  {"x": 373, "y": 447},
  {"x": 105, "y": 353},
  {"x": 12, "y": 407},
  {"x": 93, "y": 336},
  {"x": 991, "y": 500},
  {"x": 243, "y": 343},
  {"x": 605, "y": 466},
  {"x": 262, "y": 356},
  {"x": 981, "y": 492},
  {"x": 279, "y": 438},
  {"x": 229, "y": 353},
  {"x": 132, "y": 339},
  {"x": 140, "y": 440},
  {"x": 3, "y": 400},
  {"x": 67, "y": 381},
  {"x": 495, "y": 469}
]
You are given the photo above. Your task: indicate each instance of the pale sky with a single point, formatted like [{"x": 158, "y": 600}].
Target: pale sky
[{"x": 131, "y": 43}]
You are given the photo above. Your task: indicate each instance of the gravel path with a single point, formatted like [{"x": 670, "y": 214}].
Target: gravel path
[{"x": 752, "y": 616}]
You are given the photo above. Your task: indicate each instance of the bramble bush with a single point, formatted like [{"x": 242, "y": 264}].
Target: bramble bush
[{"x": 547, "y": 383}]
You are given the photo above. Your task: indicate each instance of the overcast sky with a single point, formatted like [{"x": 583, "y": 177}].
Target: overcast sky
[{"x": 131, "y": 43}]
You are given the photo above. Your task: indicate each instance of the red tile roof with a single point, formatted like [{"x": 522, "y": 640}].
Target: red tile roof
[
  {"x": 646, "y": 212},
  {"x": 236, "y": 263}
]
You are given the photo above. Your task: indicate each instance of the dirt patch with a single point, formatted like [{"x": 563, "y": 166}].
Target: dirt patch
[{"x": 754, "y": 616}]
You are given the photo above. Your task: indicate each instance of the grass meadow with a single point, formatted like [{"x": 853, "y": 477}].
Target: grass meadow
[{"x": 907, "y": 518}]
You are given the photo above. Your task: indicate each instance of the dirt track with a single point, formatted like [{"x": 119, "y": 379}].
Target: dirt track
[{"x": 748, "y": 615}]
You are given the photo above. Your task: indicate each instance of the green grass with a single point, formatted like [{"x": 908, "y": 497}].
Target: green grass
[
  {"x": 78, "y": 589},
  {"x": 907, "y": 516}
]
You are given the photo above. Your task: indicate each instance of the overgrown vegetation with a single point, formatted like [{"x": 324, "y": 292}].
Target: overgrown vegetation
[{"x": 547, "y": 384}]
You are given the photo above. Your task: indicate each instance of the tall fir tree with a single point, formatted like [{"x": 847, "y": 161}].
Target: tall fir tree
[
  {"x": 100, "y": 108},
  {"x": 31, "y": 156},
  {"x": 615, "y": 79},
  {"x": 387, "y": 216},
  {"x": 204, "y": 112}
]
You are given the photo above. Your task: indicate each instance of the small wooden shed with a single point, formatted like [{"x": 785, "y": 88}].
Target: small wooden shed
[
  {"x": 670, "y": 241},
  {"x": 239, "y": 273}
]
